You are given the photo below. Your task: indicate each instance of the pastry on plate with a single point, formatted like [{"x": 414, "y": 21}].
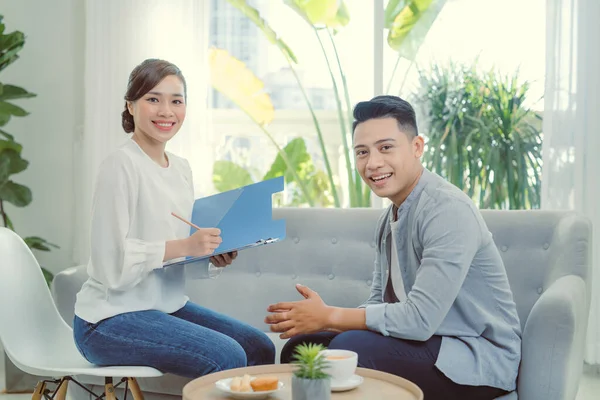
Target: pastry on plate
[{"x": 264, "y": 383}]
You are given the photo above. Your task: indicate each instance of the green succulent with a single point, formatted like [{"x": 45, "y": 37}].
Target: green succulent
[{"x": 310, "y": 364}]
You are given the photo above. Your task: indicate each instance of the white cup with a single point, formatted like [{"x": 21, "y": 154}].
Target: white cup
[{"x": 341, "y": 364}]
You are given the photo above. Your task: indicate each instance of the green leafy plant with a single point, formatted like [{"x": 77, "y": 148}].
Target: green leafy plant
[
  {"x": 309, "y": 363},
  {"x": 481, "y": 135},
  {"x": 407, "y": 21},
  {"x": 11, "y": 162},
  {"x": 228, "y": 175}
]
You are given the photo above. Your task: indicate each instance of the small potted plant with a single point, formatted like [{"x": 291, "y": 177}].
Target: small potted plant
[{"x": 310, "y": 382}]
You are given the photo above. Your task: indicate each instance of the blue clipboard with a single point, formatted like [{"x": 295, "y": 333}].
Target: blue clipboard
[{"x": 244, "y": 216}]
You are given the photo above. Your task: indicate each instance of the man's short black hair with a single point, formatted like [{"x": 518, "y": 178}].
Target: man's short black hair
[{"x": 387, "y": 107}]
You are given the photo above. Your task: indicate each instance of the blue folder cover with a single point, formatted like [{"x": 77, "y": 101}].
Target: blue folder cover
[{"x": 244, "y": 216}]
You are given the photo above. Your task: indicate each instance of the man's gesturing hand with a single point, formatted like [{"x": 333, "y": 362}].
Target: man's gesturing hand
[{"x": 299, "y": 317}]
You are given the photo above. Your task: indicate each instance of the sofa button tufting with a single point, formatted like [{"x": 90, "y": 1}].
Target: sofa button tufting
[
  {"x": 257, "y": 274},
  {"x": 373, "y": 244},
  {"x": 334, "y": 240},
  {"x": 369, "y": 282},
  {"x": 296, "y": 240},
  {"x": 331, "y": 276},
  {"x": 546, "y": 245},
  {"x": 540, "y": 290},
  {"x": 504, "y": 248},
  {"x": 294, "y": 276}
]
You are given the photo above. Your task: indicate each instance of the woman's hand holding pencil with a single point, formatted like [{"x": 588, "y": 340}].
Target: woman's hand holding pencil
[{"x": 202, "y": 242}]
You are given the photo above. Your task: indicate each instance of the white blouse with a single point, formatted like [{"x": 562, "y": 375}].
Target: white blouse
[{"x": 131, "y": 223}]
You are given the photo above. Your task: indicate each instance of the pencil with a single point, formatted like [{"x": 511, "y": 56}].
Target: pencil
[{"x": 185, "y": 220}]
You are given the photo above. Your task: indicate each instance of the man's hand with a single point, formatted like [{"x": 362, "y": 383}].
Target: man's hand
[
  {"x": 223, "y": 260},
  {"x": 299, "y": 317}
]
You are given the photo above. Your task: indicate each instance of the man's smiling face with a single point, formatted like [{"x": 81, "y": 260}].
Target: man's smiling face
[{"x": 387, "y": 158}]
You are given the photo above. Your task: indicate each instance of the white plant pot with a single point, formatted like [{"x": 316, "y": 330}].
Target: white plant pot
[{"x": 311, "y": 389}]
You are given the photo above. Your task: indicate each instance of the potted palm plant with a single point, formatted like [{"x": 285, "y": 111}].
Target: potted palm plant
[{"x": 310, "y": 382}]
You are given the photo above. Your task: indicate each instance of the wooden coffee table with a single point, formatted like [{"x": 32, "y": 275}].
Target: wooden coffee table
[{"x": 376, "y": 385}]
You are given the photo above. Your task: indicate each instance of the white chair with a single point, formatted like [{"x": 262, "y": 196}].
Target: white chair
[{"x": 36, "y": 338}]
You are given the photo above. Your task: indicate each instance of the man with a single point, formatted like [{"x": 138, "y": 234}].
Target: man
[{"x": 441, "y": 312}]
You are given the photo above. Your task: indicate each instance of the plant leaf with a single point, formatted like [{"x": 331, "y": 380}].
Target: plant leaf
[
  {"x": 321, "y": 13},
  {"x": 4, "y": 118},
  {"x": 9, "y": 223},
  {"x": 6, "y": 134},
  {"x": 341, "y": 19},
  {"x": 10, "y": 92},
  {"x": 4, "y": 170},
  {"x": 230, "y": 76},
  {"x": 315, "y": 12},
  {"x": 299, "y": 159},
  {"x": 228, "y": 175},
  {"x": 254, "y": 16},
  {"x": 10, "y": 144},
  {"x": 10, "y": 44},
  {"x": 36, "y": 242},
  {"x": 16, "y": 194},
  {"x": 11, "y": 109},
  {"x": 48, "y": 276},
  {"x": 13, "y": 160},
  {"x": 408, "y": 22}
]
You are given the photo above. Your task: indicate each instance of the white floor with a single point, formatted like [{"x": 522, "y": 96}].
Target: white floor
[{"x": 589, "y": 389}]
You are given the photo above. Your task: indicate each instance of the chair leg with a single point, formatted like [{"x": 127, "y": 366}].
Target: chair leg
[
  {"x": 61, "y": 392},
  {"x": 134, "y": 388},
  {"x": 39, "y": 390},
  {"x": 109, "y": 389}
]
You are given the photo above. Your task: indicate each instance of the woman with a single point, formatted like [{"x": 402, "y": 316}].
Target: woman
[{"x": 132, "y": 310}]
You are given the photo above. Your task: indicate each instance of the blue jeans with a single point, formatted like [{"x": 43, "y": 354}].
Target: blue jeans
[
  {"x": 409, "y": 359},
  {"x": 191, "y": 342}
]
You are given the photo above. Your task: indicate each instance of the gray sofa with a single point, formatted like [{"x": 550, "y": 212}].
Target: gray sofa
[{"x": 547, "y": 256}]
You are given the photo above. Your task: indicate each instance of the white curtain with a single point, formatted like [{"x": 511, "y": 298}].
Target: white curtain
[
  {"x": 571, "y": 172},
  {"x": 119, "y": 35}
]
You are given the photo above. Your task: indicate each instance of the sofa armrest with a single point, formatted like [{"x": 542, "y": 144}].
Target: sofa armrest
[
  {"x": 553, "y": 341},
  {"x": 65, "y": 286}
]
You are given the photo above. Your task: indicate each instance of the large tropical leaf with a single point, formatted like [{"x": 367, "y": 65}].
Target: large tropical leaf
[
  {"x": 254, "y": 16},
  {"x": 408, "y": 22},
  {"x": 299, "y": 158},
  {"x": 228, "y": 175},
  {"x": 232, "y": 78},
  {"x": 321, "y": 13}
]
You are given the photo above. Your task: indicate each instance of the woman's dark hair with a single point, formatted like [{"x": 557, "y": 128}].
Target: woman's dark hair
[
  {"x": 387, "y": 107},
  {"x": 142, "y": 79}
]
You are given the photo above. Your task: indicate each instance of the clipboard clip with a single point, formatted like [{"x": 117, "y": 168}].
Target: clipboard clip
[{"x": 266, "y": 241}]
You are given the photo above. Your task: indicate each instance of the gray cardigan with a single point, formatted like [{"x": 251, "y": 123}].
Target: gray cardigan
[{"x": 456, "y": 286}]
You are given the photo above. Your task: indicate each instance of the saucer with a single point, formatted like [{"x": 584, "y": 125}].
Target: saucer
[
  {"x": 224, "y": 385},
  {"x": 349, "y": 384}
]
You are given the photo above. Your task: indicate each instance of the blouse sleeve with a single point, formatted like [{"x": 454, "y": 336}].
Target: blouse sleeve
[
  {"x": 119, "y": 262},
  {"x": 202, "y": 269}
]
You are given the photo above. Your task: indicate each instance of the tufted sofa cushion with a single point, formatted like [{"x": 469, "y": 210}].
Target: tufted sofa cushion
[{"x": 546, "y": 254}]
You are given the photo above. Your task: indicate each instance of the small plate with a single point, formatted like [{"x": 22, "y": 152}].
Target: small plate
[
  {"x": 224, "y": 385},
  {"x": 353, "y": 382}
]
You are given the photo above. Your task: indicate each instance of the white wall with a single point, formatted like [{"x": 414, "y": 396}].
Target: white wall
[{"x": 51, "y": 65}]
